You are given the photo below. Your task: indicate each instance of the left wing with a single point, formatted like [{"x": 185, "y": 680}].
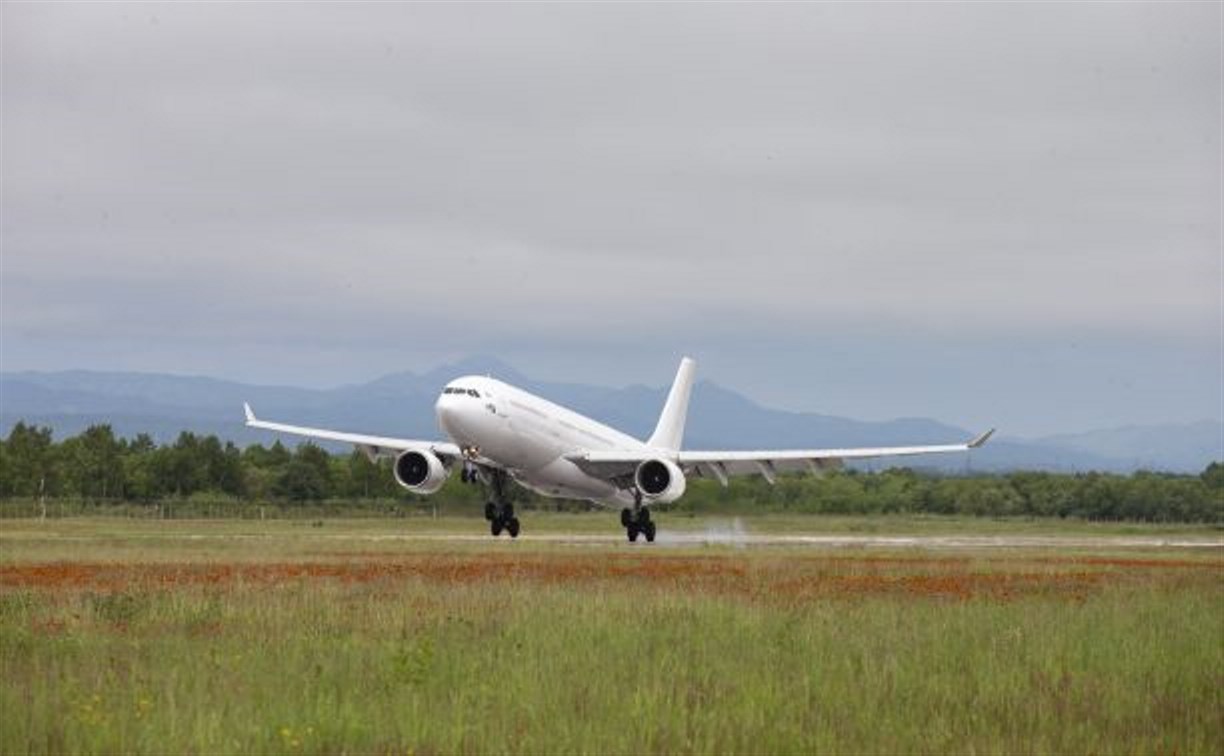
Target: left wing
[
  {"x": 722, "y": 464},
  {"x": 373, "y": 446}
]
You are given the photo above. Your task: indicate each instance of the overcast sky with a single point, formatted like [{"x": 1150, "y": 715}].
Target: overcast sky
[{"x": 990, "y": 214}]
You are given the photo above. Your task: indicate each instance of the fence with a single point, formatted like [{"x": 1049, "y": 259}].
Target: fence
[{"x": 220, "y": 509}]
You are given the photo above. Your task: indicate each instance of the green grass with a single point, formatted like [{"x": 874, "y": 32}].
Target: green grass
[
  {"x": 122, "y": 538},
  {"x": 549, "y": 648},
  {"x": 607, "y": 522}
]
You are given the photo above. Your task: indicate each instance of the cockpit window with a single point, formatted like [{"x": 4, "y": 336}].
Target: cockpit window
[{"x": 457, "y": 390}]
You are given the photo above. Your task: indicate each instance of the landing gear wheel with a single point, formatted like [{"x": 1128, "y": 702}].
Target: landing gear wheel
[
  {"x": 643, "y": 516},
  {"x": 632, "y": 531},
  {"x": 626, "y": 517},
  {"x": 498, "y": 511},
  {"x": 649, "y": 530}
]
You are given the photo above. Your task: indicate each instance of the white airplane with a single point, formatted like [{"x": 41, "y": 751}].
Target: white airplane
[{"x": 500, "y": 432}]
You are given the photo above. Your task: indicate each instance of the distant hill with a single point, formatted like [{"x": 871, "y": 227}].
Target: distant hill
[
  {"x": 1151, "y": 447},
  {"x": 401, "y": 404}
]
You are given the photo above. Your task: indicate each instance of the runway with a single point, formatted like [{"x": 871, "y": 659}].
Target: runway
[
  {"x": 719, "y": 537},
  {"x": 754, "y": 540}
]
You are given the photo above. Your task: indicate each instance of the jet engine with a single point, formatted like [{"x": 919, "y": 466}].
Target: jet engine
[
  {"x": 660, "y": 480},
  {"x": 420, "y": 472}
]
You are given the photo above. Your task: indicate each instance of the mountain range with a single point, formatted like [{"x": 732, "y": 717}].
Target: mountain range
[{"x": 401, "y": 404}]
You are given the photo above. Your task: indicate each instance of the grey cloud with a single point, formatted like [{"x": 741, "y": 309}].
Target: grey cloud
[{"x": 601, "y": 176}]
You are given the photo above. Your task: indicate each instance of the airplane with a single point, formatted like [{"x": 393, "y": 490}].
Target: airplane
[{"x": 500, "y": 433}]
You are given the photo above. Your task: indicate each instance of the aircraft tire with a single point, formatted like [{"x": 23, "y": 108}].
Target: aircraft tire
[
  {"x": 643, "y": 515},
  {"x": 490, "y": 511},
  {"x": 507, "y": 512},
  {"x": 512, "y": 527},
  {"x": 632, "y": 531},
  {"x": 626, "y": 517},
  {"x": 649, "y": 530},
  {"x": 495, "y": 527}
]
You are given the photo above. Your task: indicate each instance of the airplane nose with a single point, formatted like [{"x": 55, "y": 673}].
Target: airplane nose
[{"x": 446, "y": 413}]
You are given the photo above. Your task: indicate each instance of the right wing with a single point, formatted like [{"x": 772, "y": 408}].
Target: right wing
[
  {"x": 373, "y": 446},
  {"x": 720, "y": 465}
]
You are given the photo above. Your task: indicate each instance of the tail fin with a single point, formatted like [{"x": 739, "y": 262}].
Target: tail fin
[{"x": 670, "y": 430}]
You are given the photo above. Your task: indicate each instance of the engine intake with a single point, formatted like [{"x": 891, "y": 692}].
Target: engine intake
[
  {"x": 660, "y": 480},
  {"x": 421, "y": 472}
]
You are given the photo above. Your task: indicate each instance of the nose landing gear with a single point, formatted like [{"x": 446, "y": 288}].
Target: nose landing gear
[{"x": 470, "y": 472}]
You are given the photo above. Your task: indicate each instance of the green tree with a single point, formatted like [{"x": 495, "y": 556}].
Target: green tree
[
  {"x": 307, "y": 476},
  {"x": 177, "y": 468},
  {"x": 30, "y": 464},
  {"x": 230, "y": 479},
  {"x": 95, "y": 467},
  {"x": 139, "y": 480},
  {"x": 220, "y": 466},
  {"x": 369, "y": 480},
  {"x": 1213, "y": 476}
]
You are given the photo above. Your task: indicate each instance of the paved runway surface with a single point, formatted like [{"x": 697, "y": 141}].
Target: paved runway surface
[
  {"x": 729, "y": 536},
  {"x": 854, "y": 541}
]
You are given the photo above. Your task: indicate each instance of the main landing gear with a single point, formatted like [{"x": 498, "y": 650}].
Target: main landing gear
[
  {"x": 498, "y": 511},
  {"x": 501, "y": 518},
  {"x": 637, "y": 520}
]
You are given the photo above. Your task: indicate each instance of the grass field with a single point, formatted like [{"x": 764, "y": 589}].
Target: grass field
[{"x": 296, "y": 637}]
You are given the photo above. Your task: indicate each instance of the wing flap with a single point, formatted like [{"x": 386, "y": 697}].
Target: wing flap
[{"x": 607, "y": 465}]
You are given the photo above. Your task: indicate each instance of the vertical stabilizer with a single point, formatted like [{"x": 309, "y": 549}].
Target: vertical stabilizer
[{"x": 670, "y": 430}]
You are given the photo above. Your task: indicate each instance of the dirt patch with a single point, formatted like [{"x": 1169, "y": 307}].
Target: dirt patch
[
  {"x": 785, "y": 580},
  {"x": 999, "y": 586},
  {"x": 95, "y": 576}
]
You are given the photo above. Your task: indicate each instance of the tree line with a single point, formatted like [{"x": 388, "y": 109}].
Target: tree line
[{"x": 98, "y": 466}]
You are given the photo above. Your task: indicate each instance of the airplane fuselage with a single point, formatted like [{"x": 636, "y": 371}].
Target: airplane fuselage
[{"x": 530, "y": 437}]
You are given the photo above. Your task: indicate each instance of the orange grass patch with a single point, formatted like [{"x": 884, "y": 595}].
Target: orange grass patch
[
  {"x": 1001, "y": 586},
  {"x": 771, "y": 578},
  {"x": 1131, "y": 563}
]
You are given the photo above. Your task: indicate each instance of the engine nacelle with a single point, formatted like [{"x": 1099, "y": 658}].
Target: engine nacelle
[
  {"x": 420, "y": 472},
  {"x": 660, "y": 480}
]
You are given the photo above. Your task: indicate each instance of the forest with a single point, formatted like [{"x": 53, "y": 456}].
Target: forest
[{"x": 98, "y": 468}]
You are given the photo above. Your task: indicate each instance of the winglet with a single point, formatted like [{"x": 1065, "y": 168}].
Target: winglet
[
  {"x": 975, "y": 443},
  {"x": 250, "y": 414}
]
